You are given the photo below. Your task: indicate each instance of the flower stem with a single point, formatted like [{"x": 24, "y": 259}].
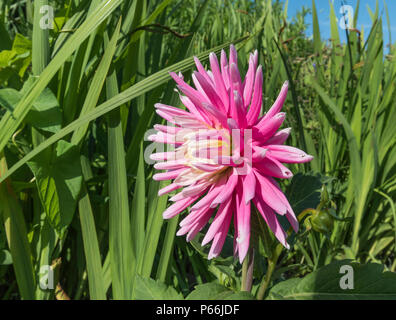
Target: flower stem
[
  {"x": 247, "y": 271},
  {"x": 271, "y": 267}
]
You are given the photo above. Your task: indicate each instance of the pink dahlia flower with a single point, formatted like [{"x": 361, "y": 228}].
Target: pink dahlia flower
[{"x": 218, "y": 174}]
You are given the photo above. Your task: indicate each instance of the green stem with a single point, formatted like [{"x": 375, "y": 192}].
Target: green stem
[
  {"x": 271, "y": 267},
  {"x": 247, "y": 271}
]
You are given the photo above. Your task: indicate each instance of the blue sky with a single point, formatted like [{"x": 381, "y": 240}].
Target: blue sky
[{"x": 364, "y": 20}]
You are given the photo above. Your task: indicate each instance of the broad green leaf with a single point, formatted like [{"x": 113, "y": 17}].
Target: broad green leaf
[
  {"x": 45, "y": 113},
  {"x": 149, "y": 289},
  {"x": 369, "y": 282},
  {"x": 215, "y": 291},
  {"x": 304, "y": 191},
  {"x": 16, "y": 60},
  {"x": 58, "y": 177}
]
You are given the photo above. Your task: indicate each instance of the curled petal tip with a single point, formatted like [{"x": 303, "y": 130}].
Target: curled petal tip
[
  {"x": 165, "y": 215},
  {"x": 288, "y": 174},
  {"x": 309, "y": 157},
  {"x": 205, "y": 241},
  {"x": 211, "y": 256}
]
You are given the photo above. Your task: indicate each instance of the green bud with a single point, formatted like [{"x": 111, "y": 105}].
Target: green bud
[{"x": 322, "y": 222}]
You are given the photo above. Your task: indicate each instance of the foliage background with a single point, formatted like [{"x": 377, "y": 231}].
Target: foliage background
[{"x": 76, "y": 193}]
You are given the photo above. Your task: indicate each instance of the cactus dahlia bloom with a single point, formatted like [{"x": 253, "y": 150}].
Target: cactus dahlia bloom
[{"x": 225, "y": 155}]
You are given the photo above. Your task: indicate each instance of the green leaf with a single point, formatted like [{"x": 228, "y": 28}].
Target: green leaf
[
  {"x": 45, "y": 113},
  {"x": 122, "y": 262},
  {"x": 138, "y": 209},
  {"x": 5, "y": 257},
  {"x": 215, "y": 291},
  {"x": 16, "y": 60},
  {"x": 369, "y": 282},
  {"x": 97, "y": 83},
  {"x": 96, "y": 280},
  {"x": 17, "y": 237},
  {"x": 304, "y": 191},
  {"x": 58, "y": 177},
  {"x": 149, "y": 289}
]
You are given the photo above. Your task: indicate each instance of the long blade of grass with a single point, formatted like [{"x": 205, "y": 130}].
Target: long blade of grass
[
  {"x": 90, "y": 240},
  {"x": 122, "y": 260},
  {"x": 97, "y": 84},
  {"x": 138, "y": 212},
  {"x": 16, "y": 232}
]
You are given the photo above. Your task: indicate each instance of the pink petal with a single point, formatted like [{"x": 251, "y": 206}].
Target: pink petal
[
  {"x": 288, "y": 154},
  {"x": 197, "y": 188},
  {"x": 235, "y": 80},
  {"x": 203, "y": 220},
  {"x": 212, "y": 194},
  {"x": 168, "y": 175},
  {"x": 268, "y": 127},
  {"x": 238, "y": 111},
  {"x": 249, "y": 186},
  {"x": 270, "y": 194},
  {"x": 290, "y": 213},
  {"x": 233, "y": 55},
  {"x": 192, "y": 218},
  {"x": 224, "y": 69},
  {"x": 218, "y": 116},
  {"x": 170, "y": 165},
  {"x": 255, "y": 106},
  {"x": 195, "y": 96},
  {"x": 162, "y": 137},
  {"x": 167, "y": 129},
  {"x": 280, "y": 137},
  {"x": 271, "y": 220},
  {"x": 226, "y": 192},
  {"x": 202, "y": 70},
  {"x": 243, "y": 214},
  {"x": 249, "y": 82},
  {"x": 218, "y": 80},
  {"x": 210, "y": 92},
  {"x": 278, "y": 104},
  {"x": 168, "y": 188},
  {"x": 206, "y": 166},
  {"x": 178, "y": 207},
  {"x": 172, "y": 110},
  {"x": 272, "y": 167},
  {"x": 163, "y": 156},
  {"x": 223, "y": 211},
  {"x": 219, "y": 238}
]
